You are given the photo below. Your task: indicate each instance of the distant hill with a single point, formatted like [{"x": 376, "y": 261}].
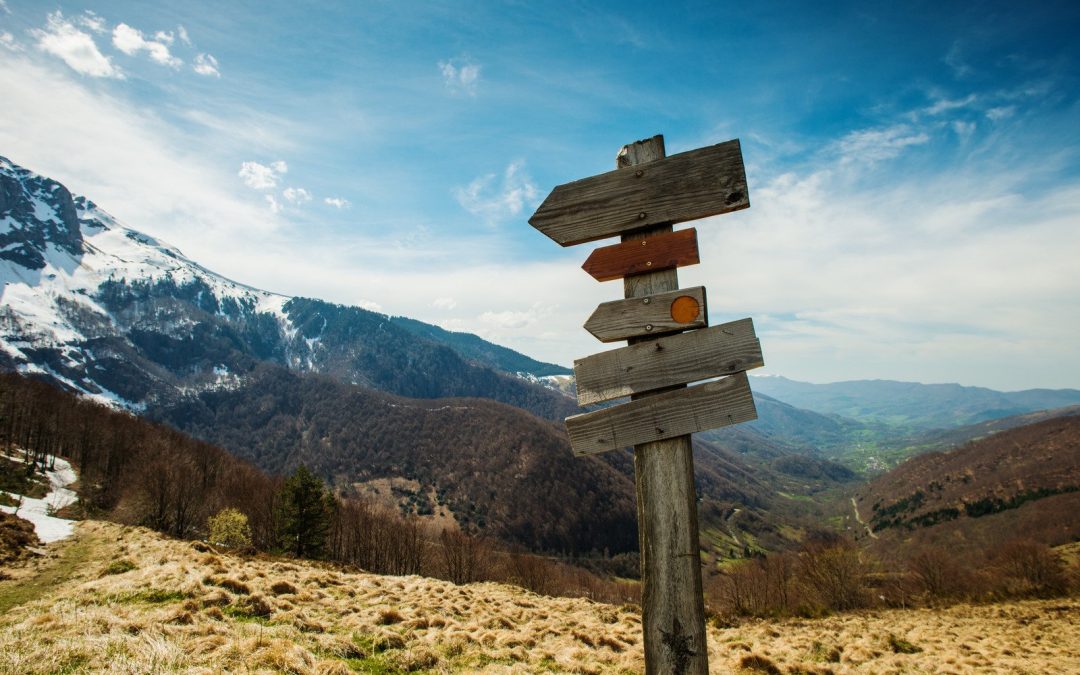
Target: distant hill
[
  {"x": 497, "y": 469},
  {"x": 1023, "y": 481},
  {"x": 912, "y": 405},
  {"x": 477, "y": 349}
]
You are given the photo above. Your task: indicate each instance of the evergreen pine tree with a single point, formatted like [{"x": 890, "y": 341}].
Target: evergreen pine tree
[{"x": 306, "y": 508}]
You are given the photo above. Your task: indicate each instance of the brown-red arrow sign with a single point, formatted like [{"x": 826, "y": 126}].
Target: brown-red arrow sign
[
  {"x": 662, "y": 252},
  {"x": 696, "y": 184}
]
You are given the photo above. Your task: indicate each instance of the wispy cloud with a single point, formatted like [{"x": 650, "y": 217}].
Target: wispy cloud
[
  {"x": 206, "y": 64},
  {"x": 494, "y": 200},
  {"x": 955, "y": 60},
  {"x": 93, "y": 22},
  {"x": 296, "y": 196},
  {"x": 8, "y": 41},
  {"x": 876, "y": 145},
  {"x": 4, "y": 7},
  {"x": 945, "y": 104},
  {"x": 337, "y": 202},
  {"x": 274, "y": 204},
  {"x": 131, "y": 41},
  {"x": 260, "y": 176},
  {"x": 1000, "y": 113},
  {"x": 460, "y": 76},
  {"x": 182, "y": 33},
  {"x": 963, "y": 129},
  {"x": 63, "y": 39}
]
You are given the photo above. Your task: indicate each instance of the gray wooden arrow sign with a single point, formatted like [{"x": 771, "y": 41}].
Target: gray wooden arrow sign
[
  {"x": 650, "y": 315},
  {"x": 691, "y": 185},
  {"x": 668, "y": 415},
  {"x": 668, "y": 361}
]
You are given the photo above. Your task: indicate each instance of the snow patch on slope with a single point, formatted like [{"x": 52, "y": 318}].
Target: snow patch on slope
[{"x": 48, "y": 527}]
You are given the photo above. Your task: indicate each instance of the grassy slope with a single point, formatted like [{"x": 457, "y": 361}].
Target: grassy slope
[{"x": 182, "y": 610}]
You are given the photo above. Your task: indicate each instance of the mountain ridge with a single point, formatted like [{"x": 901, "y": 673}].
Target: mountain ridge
[
  {"x": 912, "y": 404},
  {"x": 126, "y": 318}
]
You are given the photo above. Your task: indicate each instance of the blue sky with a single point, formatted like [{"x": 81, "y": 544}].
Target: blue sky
[{"x": 913, "y": 167}]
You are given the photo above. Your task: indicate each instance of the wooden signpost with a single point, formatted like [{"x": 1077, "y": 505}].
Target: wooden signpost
[{"x": 640, "y": 201}]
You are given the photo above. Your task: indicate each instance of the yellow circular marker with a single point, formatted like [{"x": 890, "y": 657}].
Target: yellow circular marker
[{"x": 685, "y": 309}]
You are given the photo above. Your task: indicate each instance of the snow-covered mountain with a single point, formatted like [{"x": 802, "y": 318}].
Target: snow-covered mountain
[{"x": 127, "y": 319}]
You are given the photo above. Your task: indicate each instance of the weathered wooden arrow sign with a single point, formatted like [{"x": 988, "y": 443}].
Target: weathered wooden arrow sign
[
  {"x": 668, "y": 415},
  {"x": 649, "y": 315},
  {"x": 691, "y": 185},
  {"x": 661, "y": 252},
  {"x": 667, "y": 361},
  {"x": 641, "y": 200}
]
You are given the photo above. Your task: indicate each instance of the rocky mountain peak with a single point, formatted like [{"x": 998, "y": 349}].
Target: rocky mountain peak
[{"x": 34, "y": 212}]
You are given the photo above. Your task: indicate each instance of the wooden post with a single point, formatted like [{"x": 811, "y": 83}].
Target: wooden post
[
  {"x": 672, "y": 604},
  {"x": 640, "y": 200}
]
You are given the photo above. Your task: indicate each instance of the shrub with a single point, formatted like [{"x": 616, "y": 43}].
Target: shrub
[
  {"x": 119, "y": 567},
  {"x": 229, "y": 528},
  {"x": 1032, "y": 569}
]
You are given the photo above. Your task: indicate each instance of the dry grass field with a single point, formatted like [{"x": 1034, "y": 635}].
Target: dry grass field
[{"x": 125, "y": 600}]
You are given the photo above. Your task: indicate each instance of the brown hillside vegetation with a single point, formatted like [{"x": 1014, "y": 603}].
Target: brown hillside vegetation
[
  {"x": 1020, "y": 482},
  {"x": 126, "y": 600},
  {"x": 494, "y": 469}
]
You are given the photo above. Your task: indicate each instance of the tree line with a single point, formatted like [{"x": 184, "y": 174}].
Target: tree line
[
  {"x": 141, "y": 473},
  {"x": 830, "y": 572}
]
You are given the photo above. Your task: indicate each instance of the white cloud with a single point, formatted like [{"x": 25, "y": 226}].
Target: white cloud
[
  {"x": 296, "y": 195},
  {"x": 4, "y": 7},
  {"x": 337, "y": 202},
  {"x": 460, "y": 76},
  {"x": 963, "y": 129},
  {"x": 1000, "y": 113},
  {"x": 942, "y": 277},
  {"x": 206, "y": 64},
  {"x": 944, "y": 104},
  {"x": 165, "y": 37},
  {"x": 182, "y": 33},
  {"x": 7, "y": 41},
  {"x": 149, "y": 175},
  {"x": 78, "y": 50},
  {"x": 444, "y": 303},
  {"x": 493, "y": 203},
  {"x": 261, "y": 177},
  {"x": 92, "y": 21},
  {"x": 275, "y": 205},
  {"x": 875, "y": 145},
  {"x": 131, "y": 41}
]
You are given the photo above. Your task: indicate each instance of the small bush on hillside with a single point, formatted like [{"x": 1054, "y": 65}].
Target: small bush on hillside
[
  {"x": 229, "y": 528},
  {"x": 1031, "y": 569},
  {"x": 119, "y": 567}
]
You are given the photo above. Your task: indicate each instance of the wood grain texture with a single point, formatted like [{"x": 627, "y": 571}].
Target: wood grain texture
[
  {"x": 691, "y": 185},
  {"x": 672, "y": 606},
  {"x": 667, "y": 415},
  {"x": 676, "y": 359},
  {"x": 650, "y": 254},
  {"x": 650, "y": 315}
]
